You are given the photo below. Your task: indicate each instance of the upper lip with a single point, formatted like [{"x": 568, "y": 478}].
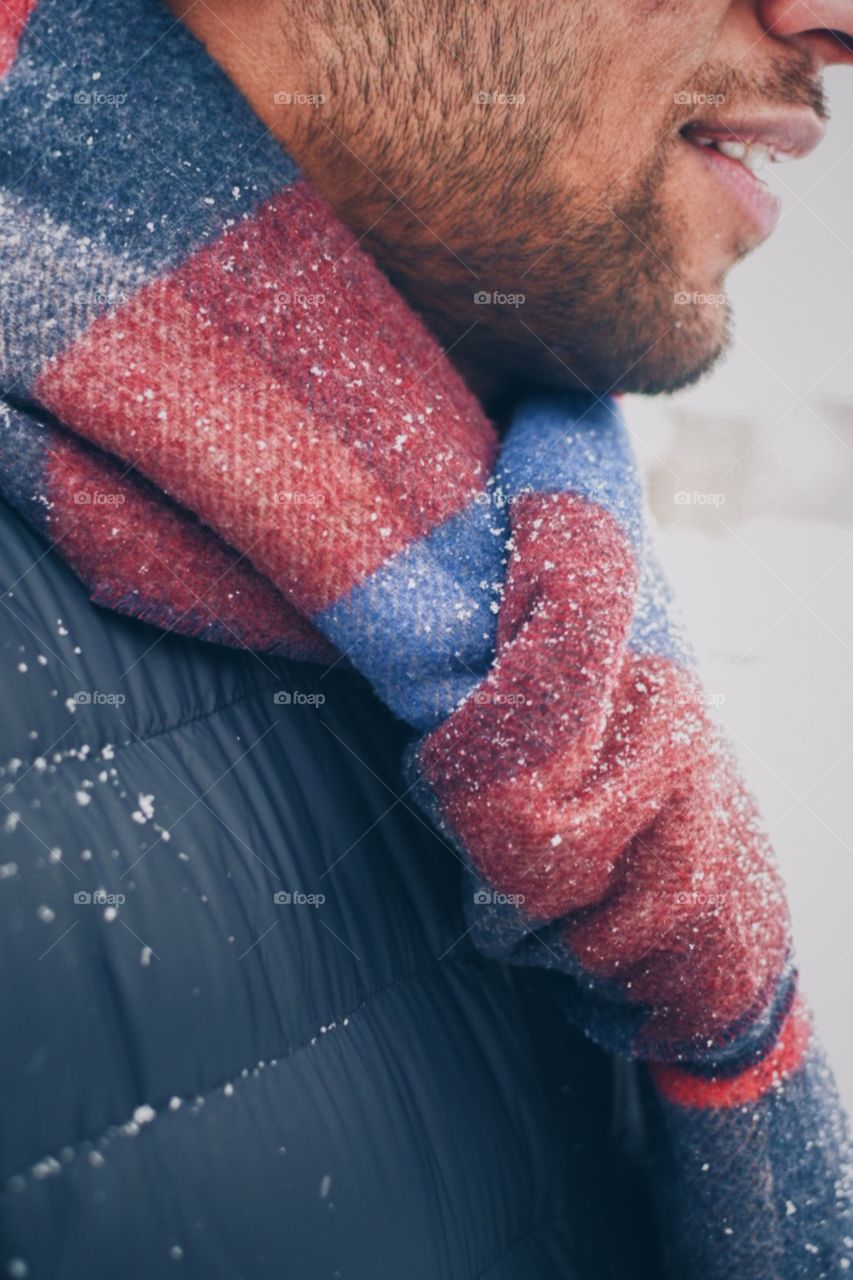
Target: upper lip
[{"x": 792, "y": 134}]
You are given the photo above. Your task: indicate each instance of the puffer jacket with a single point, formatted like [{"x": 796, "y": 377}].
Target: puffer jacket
[{"x": 245, "y": 1034}]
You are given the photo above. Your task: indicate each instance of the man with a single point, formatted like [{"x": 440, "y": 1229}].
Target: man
[
  {"x": 554, "y": 152},
  {"x": 252, "y": 1032}
]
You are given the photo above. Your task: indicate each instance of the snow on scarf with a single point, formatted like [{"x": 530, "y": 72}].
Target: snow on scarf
[{"x": 230, "y": 425}]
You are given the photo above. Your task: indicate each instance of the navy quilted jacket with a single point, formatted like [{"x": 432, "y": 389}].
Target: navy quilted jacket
[{"x": 244, "y": 1033}]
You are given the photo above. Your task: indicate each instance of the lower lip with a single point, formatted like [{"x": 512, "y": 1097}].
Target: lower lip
[{"x": 749, "y": 193}]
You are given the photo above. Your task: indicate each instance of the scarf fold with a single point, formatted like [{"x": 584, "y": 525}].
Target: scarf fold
[{"x": 230, "y": 425}]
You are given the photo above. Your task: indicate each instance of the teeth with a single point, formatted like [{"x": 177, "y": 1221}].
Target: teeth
[
  {"x": 756, "y": 156},
  {"x": 753, "y": 155}
]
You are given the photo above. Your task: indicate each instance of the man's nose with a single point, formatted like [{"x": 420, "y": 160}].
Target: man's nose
[{"x": 825, "y": 27}]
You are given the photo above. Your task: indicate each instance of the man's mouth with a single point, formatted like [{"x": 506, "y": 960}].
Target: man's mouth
[
  {"x": 752, "y": 154},
  {"x": 735, "y": 150}
]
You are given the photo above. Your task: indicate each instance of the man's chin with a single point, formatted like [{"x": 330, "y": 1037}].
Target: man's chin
[
  {"x": 689, "y": 344},
  {"x": 617, "y": 356},
  {"x": 677, "y": 369}
]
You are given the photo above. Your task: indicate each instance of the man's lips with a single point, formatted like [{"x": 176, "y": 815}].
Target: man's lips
[
  {"x": 734, "y": 149},
  {"x": 785, "y": 137}
]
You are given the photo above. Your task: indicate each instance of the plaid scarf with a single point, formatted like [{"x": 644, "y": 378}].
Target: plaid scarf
[{"x": 222, "y": 415}]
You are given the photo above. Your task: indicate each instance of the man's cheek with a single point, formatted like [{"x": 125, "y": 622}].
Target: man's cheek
[{"x": 662, "y": 43}]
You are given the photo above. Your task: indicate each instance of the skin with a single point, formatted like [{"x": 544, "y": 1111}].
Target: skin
[{"x": 578, "y": 193}]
